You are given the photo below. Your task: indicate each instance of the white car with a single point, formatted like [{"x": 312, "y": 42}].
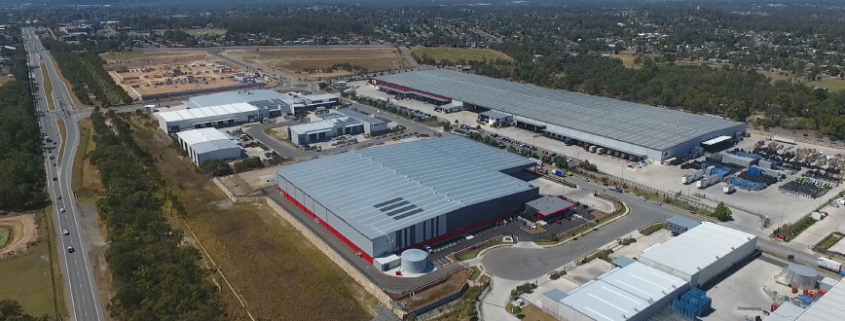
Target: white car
[
  {"x": 65, "y": 232},
  {"x": 62, "y": 210}
]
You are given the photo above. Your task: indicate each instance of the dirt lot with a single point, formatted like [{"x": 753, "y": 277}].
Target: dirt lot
[
  {"x": 278, "y": 273},
  {"x": 294, "y": 63},
  {"x": 23, "y": 234},
  {"x": 174, "y": 77}
]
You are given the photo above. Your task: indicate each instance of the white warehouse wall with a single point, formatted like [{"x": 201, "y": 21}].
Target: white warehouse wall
[
  {"x": 726, "y": 262},
  {"x": 229, "y": 153}
]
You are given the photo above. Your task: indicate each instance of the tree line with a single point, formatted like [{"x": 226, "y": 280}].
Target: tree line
[
  {"x": 22, "y": 177},
  {"x": 84, "y": 70},
  {"x": 156, "y": 276},
  {"x": 732, "y": 93},
  {"x": 12, "y": 311}
]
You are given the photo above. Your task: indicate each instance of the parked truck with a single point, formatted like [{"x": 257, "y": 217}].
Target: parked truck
[
  {"x": 689, "y": 178},
  {"x": 728, "y": 189},
  {"x": 593, "y": 148},
  {"x": 707, "y": 181},
  {"x": 669, "y": 161},
  {"x": 829, "y": 264}
]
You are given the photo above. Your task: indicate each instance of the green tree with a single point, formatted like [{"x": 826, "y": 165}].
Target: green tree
[
  {"x": 12, "y": 311},
  {"x": 216, "y": 167},
  {"x": 722, "y": 212}
]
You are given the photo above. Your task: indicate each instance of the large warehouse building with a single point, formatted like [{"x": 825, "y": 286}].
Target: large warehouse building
[
  {"x": 830, "y": 307},
  {"x": 640, "y": 131},
  {"x": 384, "y": 199},
  {"x": 631, "y": 293},
  {"x": 207, "y": 144},
  {"x": 702, "y": 253},
  {"x": 215, "y": 116}
]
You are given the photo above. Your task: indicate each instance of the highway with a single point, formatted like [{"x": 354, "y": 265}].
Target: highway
[{"x": 81, "y": 291}]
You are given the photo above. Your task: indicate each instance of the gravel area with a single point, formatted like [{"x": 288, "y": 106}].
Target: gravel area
[{"x": 383, "y": 313}]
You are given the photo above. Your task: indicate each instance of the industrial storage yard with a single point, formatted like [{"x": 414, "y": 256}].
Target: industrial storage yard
[{"x": 315, "y": 64}]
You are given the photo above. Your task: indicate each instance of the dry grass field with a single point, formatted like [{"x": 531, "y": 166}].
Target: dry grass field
[
  {"x": 832, "y": 84},
  {"x": 455, "y": 54},
  {"x": 86, "y": 182},
  {"x": 296, "y": 63},
  {"x": 131, "y": 59},
  {"x": 205, "y": 32},
  {"x": 277, "y": 272},
  {"x": 4, "y": 75}
]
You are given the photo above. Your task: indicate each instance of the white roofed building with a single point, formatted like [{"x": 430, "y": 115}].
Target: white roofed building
[
  {"x": 214, "y": 116},
  {"x": 208, "y": 143}
]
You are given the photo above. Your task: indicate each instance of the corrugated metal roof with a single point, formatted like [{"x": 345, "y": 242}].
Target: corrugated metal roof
[
  {"x": 622, "y": 293},
  {"x": 202, "y": 135},
  {"x": 321, "y": 97},
  {"x": 642, "y": 125},
  {"x": 233, "y": 97},
  {"x": 427, "y": 178},
  {"x": 360, "y": 117},
  {"x": 698, "y": 248},
  {"x": 495, "y": 114},
  {"x": 199, "y": 113}
]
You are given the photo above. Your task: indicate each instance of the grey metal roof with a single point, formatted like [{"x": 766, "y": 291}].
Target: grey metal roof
[
  {"x": 382, "y": 189},
  {"x": 829, "y": 308},
  {"x": 548, "y": 205},
  {"x": 360, "y": 117},
  {"x": 214, "y": 145},
  {"x": 494, "y": 114},
  {"x": 622, "y": 261},
  {"x": 642, "y": 125},
  {"x": 683, "y": 221},
  {"x": 698, "y": 248},
  {"x": 260, "y": 97},
  {"x": 556, "y": 295},
  {"x": 622, "y": 293}
]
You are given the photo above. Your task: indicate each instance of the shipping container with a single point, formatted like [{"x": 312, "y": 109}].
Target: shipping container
[
  {"x": 600, "y": 150},
  {"x": 558, "y": 173},
  {"x": 593, "y": 148}
]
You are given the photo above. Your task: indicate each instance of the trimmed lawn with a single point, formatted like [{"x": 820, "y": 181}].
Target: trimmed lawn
[
  {"x": 48, "y": 87},
  {"x": 532, "y": 313}
]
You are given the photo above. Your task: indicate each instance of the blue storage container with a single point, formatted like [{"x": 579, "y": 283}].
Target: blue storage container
[{"x": 559, "y": 173}]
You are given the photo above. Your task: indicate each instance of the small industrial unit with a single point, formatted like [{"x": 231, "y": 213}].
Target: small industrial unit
[
  {"x": 382, "y": 200},
  {"x": 235, "y": 108},
  {"x": 207, "y": 144},
  {"x": 634, "y": 292},
  {"x": 700, "y": 254},
  {"x": 678, "y": 224},
  {"x": 324, "y": 130},
  {"x": 627, "y": 129},
  {"x": 548, "y": 206}
]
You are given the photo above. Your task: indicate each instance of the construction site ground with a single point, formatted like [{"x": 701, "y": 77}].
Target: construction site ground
[
  {"x": 157, "y": 79},
  {"x": 312, "y": 64},
  {"x": 22, "y": 234}
]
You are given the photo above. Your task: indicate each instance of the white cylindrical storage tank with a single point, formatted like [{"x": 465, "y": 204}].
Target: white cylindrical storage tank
[
  {"x": 414, "y": 261},
  {"x": 802, "y": 276}
]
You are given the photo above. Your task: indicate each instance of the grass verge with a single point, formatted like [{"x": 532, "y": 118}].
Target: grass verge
[
  {"x": 474, "y": 253},
  {"x": 33, "y": 278},
  {"x": 828, "y": 241},
  {"x": 48, "y": 87},
  {"x": 86, "y": 178},
  {"x": 278, "y": 273},
  {"x": 63, "y": 133},
  {"x": 531, "y": 312}
]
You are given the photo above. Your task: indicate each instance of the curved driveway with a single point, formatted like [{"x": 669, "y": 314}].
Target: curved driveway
[{"x": 514, "y": 263}]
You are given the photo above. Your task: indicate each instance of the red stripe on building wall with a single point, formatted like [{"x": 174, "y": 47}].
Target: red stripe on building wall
[
  {"x": 328, "y": 227},
  {"x": 540, "y": 215},
  {"x": 382, "y": 83},
  {"x": 452, "y": 234}
]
